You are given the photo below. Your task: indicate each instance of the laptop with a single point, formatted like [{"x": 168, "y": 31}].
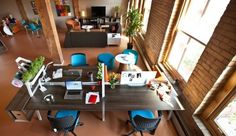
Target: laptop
[
  {"x": 73, "y": 90},
  {"x": 72, "y": 72}
]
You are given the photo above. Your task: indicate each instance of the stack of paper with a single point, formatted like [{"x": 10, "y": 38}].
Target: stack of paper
[
  {"x": 164, "y": 96},
  {"x": 57, "y": 74},
  {"x": 92, "y": 98}
]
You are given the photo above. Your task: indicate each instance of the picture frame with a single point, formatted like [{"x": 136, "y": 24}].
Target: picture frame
[
  {"x": 33, "y": 4},
  {"x": 34, "y": 8}
]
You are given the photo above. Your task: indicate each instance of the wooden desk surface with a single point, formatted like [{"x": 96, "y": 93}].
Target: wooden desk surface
[{"x": 122, "y": 97}]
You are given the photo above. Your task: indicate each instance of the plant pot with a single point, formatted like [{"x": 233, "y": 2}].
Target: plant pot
[
  {"x": 129, "y": 46},
  {"x": 113, "y": 86}
]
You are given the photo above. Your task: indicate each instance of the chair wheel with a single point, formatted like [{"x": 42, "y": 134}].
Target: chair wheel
[{"x": 80, "y": 124}]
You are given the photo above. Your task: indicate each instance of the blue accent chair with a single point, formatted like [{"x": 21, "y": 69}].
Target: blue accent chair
[
  {"x": 64, "y": 120},
  {"x": 144, "y": 120},
  {"x": 78, "y": 59},
  {"x": 107, "y": 59},
  {"x": 127, "y": 51}
]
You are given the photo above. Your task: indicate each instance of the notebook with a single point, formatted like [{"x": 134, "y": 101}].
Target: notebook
[{"x": 92, "y": 98}]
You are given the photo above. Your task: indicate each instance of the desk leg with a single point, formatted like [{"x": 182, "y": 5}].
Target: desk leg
[
  {"x": 38, "y": 115},
  {"x": 103, "y": 112},
  {"x": 170, "y": 114}
]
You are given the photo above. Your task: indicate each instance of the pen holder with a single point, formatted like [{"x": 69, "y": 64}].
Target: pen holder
[{"x": 90, "y": 76}]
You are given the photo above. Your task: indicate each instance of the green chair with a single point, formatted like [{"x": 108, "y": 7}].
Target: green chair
[
  {"x": 107, "y": 59},
  {"x": 128, "y": 51}
]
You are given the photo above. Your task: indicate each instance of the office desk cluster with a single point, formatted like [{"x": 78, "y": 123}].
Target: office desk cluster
[{"x": 122, "y": 98}]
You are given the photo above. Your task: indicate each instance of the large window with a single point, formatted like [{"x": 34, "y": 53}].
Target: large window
[
  {"x": 226, "y": 120},
  {"x": 193, "y": 33},
  {"x": 147, "y": 8}
]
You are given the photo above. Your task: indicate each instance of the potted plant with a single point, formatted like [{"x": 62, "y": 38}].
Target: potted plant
[
  {"x": 116, "y": 10},
  {"x": 35, "y": 66},
  {"x": 99, "y": 73},
  {"x": 113, "y": 79},
  {"x": 134, "y": 24}
]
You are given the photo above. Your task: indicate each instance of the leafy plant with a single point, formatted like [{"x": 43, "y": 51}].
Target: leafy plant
[
  {"x": 134, "y": 20},
  {"x": 99, "y": 74},
  {"x": 116, "y": 8},
  {"x": 33, "y": 69},
  {"x": 113, "y": 78}
]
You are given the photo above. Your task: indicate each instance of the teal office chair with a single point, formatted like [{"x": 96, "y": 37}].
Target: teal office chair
[
  {"x": 26, "y": 25},
  {"x": 107, "y": 59},
  {"x": 64, "y": 120},
  {"x": 127, "y": 51},
  {"x": 34, "y": 28},
  {"x": 144, "y": 120},
  {"x": 78, "y": 59}
]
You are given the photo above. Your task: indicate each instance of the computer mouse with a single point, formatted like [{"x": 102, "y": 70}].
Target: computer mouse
[{"x": 48, "y": 98}]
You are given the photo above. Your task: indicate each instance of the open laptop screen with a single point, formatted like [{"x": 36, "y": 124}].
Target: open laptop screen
[{"x": 73, "y": 85}]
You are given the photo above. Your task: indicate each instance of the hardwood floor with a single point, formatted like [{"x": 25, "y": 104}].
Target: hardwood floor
[{"x": 28, "y": 46}]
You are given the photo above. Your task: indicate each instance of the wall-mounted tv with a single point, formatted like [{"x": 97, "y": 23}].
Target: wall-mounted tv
[{"x": 98, "y": 11}]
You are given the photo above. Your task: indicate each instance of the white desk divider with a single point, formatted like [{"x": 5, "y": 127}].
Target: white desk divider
[
  {"x": 103, "y": 93},
  {"x": 103, "y": 81},
  {"x": 33, "y": 85}
]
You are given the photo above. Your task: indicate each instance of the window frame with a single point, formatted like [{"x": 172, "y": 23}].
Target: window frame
[
  {"x": 219, "y": 109},
  {"x": 174, "y": 72},
  {"x": 220, "y": 100}
]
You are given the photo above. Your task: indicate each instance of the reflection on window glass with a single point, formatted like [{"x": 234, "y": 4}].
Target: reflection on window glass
[
  {"x": 178, "y": 49},
  {"x": 190, "y": 58},
  {"x": 202, "y": 17},
  {"x": 226, "y": 120},
  {"x": 198, "y": 23},
  {"x": 147, "y": 8}
]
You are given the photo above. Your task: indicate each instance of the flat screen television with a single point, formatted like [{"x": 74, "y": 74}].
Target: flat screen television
[{"x": 98, "y": 11}]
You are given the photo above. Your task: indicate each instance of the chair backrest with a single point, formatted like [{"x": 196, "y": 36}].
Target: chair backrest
[
  {"x": 127, "y": 51},
  {"x": 78, "y": 59},
  {"x": 146, "y": 124},
  {"x": 23, "y": 22},
  {"x": 32, "y": 26},
  {"x": 62, "y": 124}
]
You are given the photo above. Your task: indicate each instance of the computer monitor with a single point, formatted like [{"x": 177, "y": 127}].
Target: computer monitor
[{"x": 137, "y": 78}]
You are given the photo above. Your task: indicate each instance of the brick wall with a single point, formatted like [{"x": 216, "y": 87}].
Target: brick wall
[
  {"x": 158, "y": 22},
  {"x": 218, "y": 53}
]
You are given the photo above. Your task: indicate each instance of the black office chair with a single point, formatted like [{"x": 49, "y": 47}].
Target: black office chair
[
  {"x": 144, "y": 120},
  {"x": 64, "y": 120}
]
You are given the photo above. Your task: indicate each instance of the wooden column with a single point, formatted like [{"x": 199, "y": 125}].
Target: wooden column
[
  {"x": 49, "y": 29},
  {"x": 21, "y": 9},
  {"x": 76, "y": 7}
]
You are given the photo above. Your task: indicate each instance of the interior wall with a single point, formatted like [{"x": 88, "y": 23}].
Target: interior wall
[
  {"x": 60, "y": 20},
  {"x": 9, "y": 7},
  {"x": 29, "y": 9},
  {"x": 110, "y": 4},
  {"x": 159, "y": 18}
]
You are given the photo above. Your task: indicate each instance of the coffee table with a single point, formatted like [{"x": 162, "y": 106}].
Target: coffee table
[
  {"x": 125, "y": 61},
  {"x": 87, "y": 27}
]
